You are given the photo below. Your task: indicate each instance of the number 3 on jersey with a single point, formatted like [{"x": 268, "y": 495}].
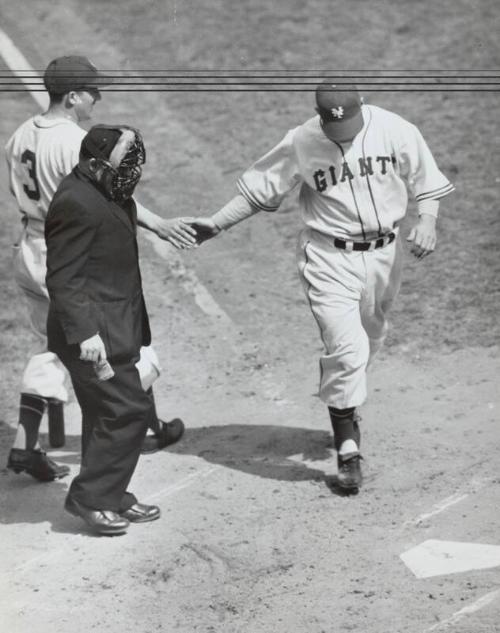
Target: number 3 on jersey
[{"x": 31, "y": 188}]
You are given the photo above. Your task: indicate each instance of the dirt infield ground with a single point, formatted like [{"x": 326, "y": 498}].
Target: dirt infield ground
[{"x": 253, "y": 537}]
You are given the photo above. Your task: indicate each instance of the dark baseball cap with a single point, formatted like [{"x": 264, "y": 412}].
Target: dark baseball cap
[
  {"x": 100, "y": 140},
  {"x": 73, "y": 72},
  {"x": 340, "y": 111}
]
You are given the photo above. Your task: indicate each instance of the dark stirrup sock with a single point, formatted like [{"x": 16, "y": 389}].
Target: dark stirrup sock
[
  {"x": 31, "y": 410},
  {"x": 344, "y": 426},
  {"x": 357, "y": 432},
  {"x": 55, "y": 412},
  {"x": 154, "y": 422}
]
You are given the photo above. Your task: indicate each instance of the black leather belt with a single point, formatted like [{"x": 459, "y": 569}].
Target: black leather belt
[{"x": 349, "y": 245}]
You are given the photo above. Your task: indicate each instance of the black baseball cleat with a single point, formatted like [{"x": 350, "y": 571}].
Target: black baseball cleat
[
  {"x": 171, "y": 432},
  {"x": 36, "y": 463},
  {"x": 349, "y": 476},
  {"x": 105, "y": 522},
  {"x": 141, "y": 513}
]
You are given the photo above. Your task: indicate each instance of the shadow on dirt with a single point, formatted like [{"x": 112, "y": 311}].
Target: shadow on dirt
[
  {"x": 274, "y": 452},
  {"x": 26, "y": 500}
]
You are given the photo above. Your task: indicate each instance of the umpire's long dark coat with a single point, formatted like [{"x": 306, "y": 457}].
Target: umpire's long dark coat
[
  {"x": 94, "y": 284},
  {"x": 93, "y": 275}
]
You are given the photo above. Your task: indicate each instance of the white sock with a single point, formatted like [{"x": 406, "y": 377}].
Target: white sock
[{"x": 348, "y": 446}]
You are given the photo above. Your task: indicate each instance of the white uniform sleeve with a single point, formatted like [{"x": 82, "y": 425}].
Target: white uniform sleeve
[
  {"x": 419, "y": 168},
  {"x": 8, "y": 149},
  {"x": 67, "y": 150},
  {"x": 8, "y": 152},
  {"x": 268, "y": 180}
]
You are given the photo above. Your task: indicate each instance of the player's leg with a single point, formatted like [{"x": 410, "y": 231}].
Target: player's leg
[
  {"x": 384, "y": 267},
  {"x": 43, "y": 381},
  {"x": 43, "y": 370},
  {"x": 50, "y": 379},
  {"x": 45, "y": 377},
  {"x": 343, "y": 382},
  {"x": 42, "y": 384},
  {"x": 161, "y": 434},
  {"x": 333, "y": 281}
]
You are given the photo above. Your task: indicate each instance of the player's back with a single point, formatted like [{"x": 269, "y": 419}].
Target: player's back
[{"x": 40, "y": 153}]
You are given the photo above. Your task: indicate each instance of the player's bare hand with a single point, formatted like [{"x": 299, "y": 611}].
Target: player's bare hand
[
  {"x": 177, "y": 231},
  {"x": 205, "y": 229},
  {"x": 92, "y": 349},
  {"x": 423, "y": 236}
]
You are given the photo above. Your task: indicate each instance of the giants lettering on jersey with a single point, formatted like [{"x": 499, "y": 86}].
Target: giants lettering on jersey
[{"x": 366, "y": 167}]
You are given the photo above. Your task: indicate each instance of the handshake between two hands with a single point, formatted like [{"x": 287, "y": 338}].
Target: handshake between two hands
[{"x": 186, "y": 232}]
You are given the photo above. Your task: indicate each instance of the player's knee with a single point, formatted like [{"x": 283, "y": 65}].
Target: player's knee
[
  {"x": 357, "y": 359},
  {"x": 348, "y": 359}
]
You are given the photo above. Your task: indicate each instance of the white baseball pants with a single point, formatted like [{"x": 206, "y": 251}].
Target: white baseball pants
[
  {"x": 44, "y": 374},
  {"x": 349, "y": 293}
]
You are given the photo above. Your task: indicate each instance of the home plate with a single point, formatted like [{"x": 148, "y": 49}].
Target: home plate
[{"x": 436, "y": 558}]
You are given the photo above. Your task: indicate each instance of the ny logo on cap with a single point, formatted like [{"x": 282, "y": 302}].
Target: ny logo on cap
[{"x": 337, "y": 113}]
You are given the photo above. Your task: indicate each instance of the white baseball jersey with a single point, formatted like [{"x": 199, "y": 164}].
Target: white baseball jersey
[
  {"x": 40, "y": 153},
  {"x": 352, "y": 190}
]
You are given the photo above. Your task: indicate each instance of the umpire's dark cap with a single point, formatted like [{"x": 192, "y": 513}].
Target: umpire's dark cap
[
  {"x": 100, "y": 141},
  {"x": 340, "y": 111},
  {"x": 73, "y": 72}
]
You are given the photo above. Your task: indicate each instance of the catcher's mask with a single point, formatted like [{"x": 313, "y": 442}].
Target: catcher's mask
[{"x": 120, "y": 152}]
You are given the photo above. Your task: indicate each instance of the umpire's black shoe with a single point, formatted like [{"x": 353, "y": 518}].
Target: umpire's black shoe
[
  {"x": 349, "y": 475},
  {"x": 105, "y": 522},
  {"x": 36, "y": 463},
  {"x": 141, "y": 513},
  {"x": 170, "y": 433}
]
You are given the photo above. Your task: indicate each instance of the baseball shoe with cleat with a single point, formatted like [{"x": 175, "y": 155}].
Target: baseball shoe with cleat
[
  {"x": 36, "y": 463},
  {"x": 170, "y": 433},
  {"x": 349, "y": 476}
]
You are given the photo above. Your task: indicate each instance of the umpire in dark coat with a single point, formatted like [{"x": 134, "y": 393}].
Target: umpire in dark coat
[{"x": 98, "y": 313}]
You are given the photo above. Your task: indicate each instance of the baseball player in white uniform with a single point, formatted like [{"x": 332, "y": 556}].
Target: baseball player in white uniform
[
  {"x": 40, "y": 153},
  {"x": 354, "y": 164}
]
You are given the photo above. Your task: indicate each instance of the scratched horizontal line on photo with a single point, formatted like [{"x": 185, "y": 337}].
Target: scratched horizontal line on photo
[
  {"x": 337, "y": 72},
  {"x": 268, "y": 89},
  {"x": 269, "y": 81}
]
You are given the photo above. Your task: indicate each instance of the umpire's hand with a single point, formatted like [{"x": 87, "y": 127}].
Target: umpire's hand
[
  {"x": 92, "y": 349},
  {"x": 177, "y": 231}
]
